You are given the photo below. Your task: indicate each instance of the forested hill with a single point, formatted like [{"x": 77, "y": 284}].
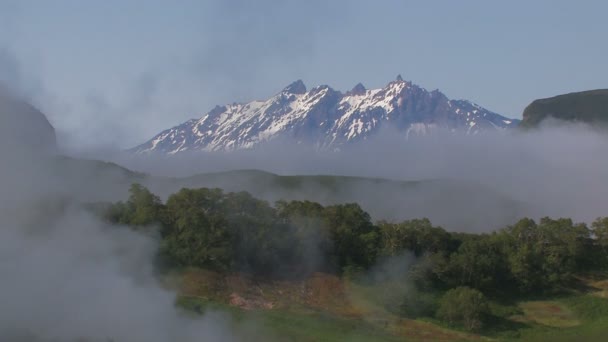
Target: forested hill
[
  {"x": 456, "y": 205},
  {"x": 587, "y": 106}
]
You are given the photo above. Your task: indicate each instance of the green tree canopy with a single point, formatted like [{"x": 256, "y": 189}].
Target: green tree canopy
[{"x": 355, "y": 238}]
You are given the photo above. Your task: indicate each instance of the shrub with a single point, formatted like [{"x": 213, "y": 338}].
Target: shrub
[{"x": 463, "y": 306}]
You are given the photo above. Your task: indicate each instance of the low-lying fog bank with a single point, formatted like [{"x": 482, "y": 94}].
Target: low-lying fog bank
[{"x": 557, "y": 170}]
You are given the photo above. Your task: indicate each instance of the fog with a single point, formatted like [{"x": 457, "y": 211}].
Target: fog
[
  {"x": 556, "y": 170},
  {"x": 72, "y": 277},
  {"x": 67, "y": 276}
]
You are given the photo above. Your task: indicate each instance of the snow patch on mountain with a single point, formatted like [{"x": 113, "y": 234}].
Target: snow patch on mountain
[{"x": 326, "y": 118}]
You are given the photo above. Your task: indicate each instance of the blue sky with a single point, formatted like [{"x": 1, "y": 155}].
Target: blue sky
[{"x": 113, "y": 73}]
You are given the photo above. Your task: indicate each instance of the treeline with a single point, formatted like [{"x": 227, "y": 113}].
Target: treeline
[
  {"x": 208, "y": 228},
  {"x": 236, "y": 232}
]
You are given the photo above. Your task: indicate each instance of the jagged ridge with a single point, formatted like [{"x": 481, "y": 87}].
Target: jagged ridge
[{"x": 326, "y": 118}]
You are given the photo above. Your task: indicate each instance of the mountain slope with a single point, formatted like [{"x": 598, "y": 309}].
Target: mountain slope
[
  {"x": 455, "y": 205},
  {"x": 587, "y": 106},
  {"x": 23, "y": 128},
  {"x": 326, "y": 118}
]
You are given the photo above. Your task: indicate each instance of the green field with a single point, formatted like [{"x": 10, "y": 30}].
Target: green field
[{"x": 345, "y": 311}]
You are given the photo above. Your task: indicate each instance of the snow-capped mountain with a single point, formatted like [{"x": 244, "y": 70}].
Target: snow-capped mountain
[{"x": 326, "y": 118}]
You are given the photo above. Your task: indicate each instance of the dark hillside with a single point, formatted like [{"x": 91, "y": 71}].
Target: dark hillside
[{"x": 587, "y": 106}]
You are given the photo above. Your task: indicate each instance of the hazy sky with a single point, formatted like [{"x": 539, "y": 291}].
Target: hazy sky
[{"x": 113, "y": 73}]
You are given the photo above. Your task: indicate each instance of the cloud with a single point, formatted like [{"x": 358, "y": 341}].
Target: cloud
[
  {"x": 15, "y": 78},
  {"x": 70, "y": 276}
]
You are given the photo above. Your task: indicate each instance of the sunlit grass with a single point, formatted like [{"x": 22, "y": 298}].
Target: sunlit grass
[{"x": 326, "y": 308}]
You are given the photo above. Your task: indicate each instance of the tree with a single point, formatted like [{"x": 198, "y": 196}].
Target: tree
[
  {"x": 261, "y": 242},
  {"x": 141, "y": 209},
  {"x": 544, "y": 256},
  {"x": 418, "y": 236},
  {"x": 145, "y": 207},
  {"x": 312, "y": 245},
  {"x": 465, "y": 306},
  {"x": 479, "y": 263},
  {"x": 197, "y": 232},
  {"x": 565, "y": 248},
  {"x": 355, "y": 239},
  {"x": 600, "y": 233}
]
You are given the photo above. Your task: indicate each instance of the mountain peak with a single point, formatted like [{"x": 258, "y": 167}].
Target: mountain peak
[
  {"x": 297, "y": 87},
  {"x": 327, "y": 119},
  {"x": 358, "y": 89},
  {"x": 217, "y": 110}
]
